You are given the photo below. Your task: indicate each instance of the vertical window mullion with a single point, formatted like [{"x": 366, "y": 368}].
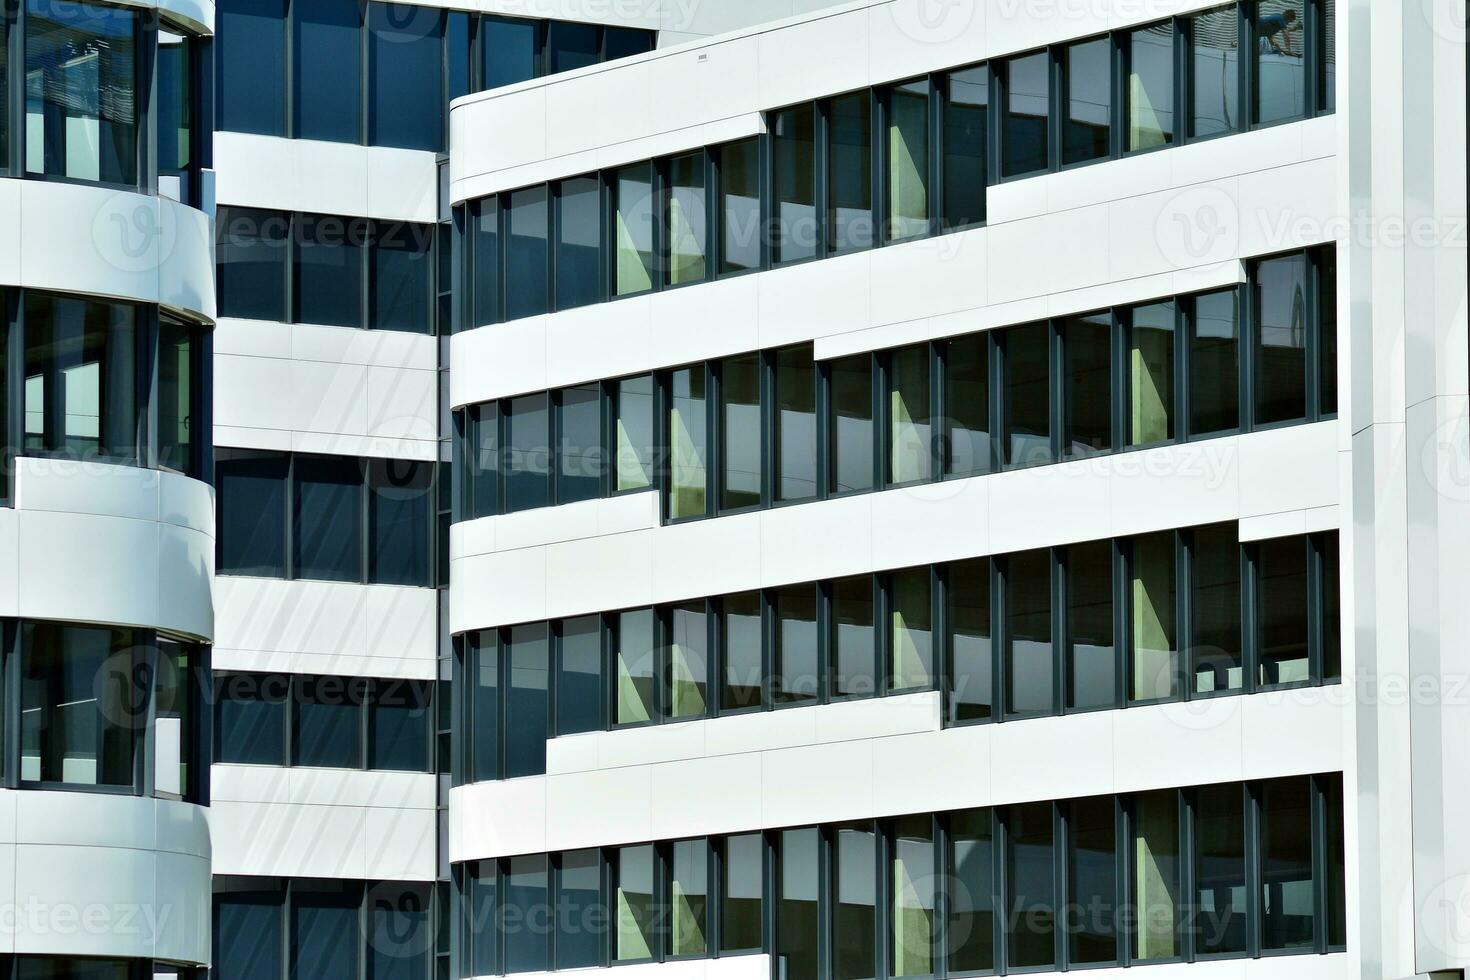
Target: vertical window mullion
[
  {"x": 1316, "y": 583},
  {"x": 1313, "y": 317},
  {"x": 935, "y": 168},
  {"x": 999, "y": 631},
  {"x": 1254, "y": 910},
  {"x": 1320, "y": 860},
  {"x": 1249, "y": 609},
  {"x": 1183, "y": 325}
]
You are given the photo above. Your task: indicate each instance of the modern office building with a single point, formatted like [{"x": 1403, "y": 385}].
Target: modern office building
[{"x": 773, "y": 489}]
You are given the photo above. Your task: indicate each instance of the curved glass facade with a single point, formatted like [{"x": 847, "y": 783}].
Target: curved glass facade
[{"x": 87, "y": 71}]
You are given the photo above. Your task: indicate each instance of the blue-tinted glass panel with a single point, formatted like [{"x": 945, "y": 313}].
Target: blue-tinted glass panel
[
  {"x": 329, "y": 269},
  {"x": 579, "y": 456},
  {"x": 177, "y": 59},
  {"x": 250, "y": 718},
  {"x": 510, "y": 50},
  {"x": 328, "y": 726},
  {"x": 526, "y": 258},
  {"x": 1024, "y": 143},
  {"x": 570, "y": 45},
  {"x": 400, "y": 507},
  {"x": 481, "y": 881},
  {"x": 1087, "y": 124},
  {"x": 1031, "y": 886},
  {"x": 81, "y": 91},
  {"x": 325, "y": 935},
  {"x": 579, "y": 893},
  {"x": 485, "y": 254},
  {"x": 524, "y": 902},
  {"x": 1092, "y": 881},
  {"x": 527, "y": 453},
  {"x": 398, "y": 726},
  {"x": 400, "y": 274},
  {"x": 579, "y": 676},
  {"x": 1028, "y": 655},
  {"x": 481, "y": 460},
  {"x": 250, "y": 500},
  {"x": 327, "y": 83},
  {"x": 966, "y": 138},
  {"x": 250, "y": 263},
  {"x": 1279, "y": 63},
  {"x": 526, "y": 721},
  {"x": 578, "y": 242},
  {"x": 624, "y": 42},
  {"x": 328, "y": 518},
  {"x": 405, "y": 82},
  {"x": 483, "y": 664},
  {"x": 248, "y": 933},
  {"x": 399, "y": 938},
  {"x": 250, "y": 66}
]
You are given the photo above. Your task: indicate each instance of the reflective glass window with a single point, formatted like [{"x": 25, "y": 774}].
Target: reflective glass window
[
  {"x": 510, "y": 50},
  {"x": 80, "y": 705},
  {"x": 966, "y": 143},
  {"x": 739, "y": 206},
  {"x": 688, "y": 667},
  {"x": 81, "y": 92},
  {"x": 635, "y": 448},
  {"x": 1278, "y": 64},
  {"x": 1026, "y": 393},
  {"x": 328, "y": 269},
  {"x": 250, "y": 504},
  {"x": 1214, "y": 363},
  {"x": 740, "y": 431},
  {"x": 1280, "y": 357},
  {"x": 81, "y": 377},
  {"x": 1087, "y": 397},
  {"x": 1150, "y": 56},
  {"x": 1152, "y": 587},
  {"x": 852, "y": 423},
  {"x": 849, "y": 173},
  {"x": 741, "y": 651},
  {"x": 400, "y": 509},
  {"x": 1024, "y": 143},
  {"x": 578, "y": 243},
  {"x": 1088, "y": 125},
  {"x": 633, "y": 268},
  {"x": 250, "y": 263},
  {"x": 327, "y": 727},
  {"x": 405, "y": 76},
  {"x": 910, "y": 454},
  {"x": 908, "y": 160},
  {"x": 854, "y": 670},
  {"x": 328, "y": 524},
  {"x": 250, "y": 66},
  {"x": 579, "y": 675},
  {"x": 527, "y": 705},
  {"x": 796, "y": 423},
  {"x": 527, "y": 452},
  {"x": 401, "y": 277},
  {"x": 797, "y": 669},
  {"x": 688, "y": 221},
  {"x": 1150, "y": 374},
  {"x": 1092, "y": 662},
  {"x": 526, "y": 259},
  {"x": 327, "y": 70},
  {"x": 1028, "y": 650},
  {"x": 1214, "y": 72},
  {"x": 794, "y": 154},
  {"x": 688, "y": 446},
  {"x": 633, "y": 662},
  {"x": 1031, "y": 886}
]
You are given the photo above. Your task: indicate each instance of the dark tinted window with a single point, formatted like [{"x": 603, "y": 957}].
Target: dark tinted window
[
  {"x": 579, "y": 457},
  {"x": 971, "y": 864},
  {"x": 1214, "y": 363},
  {"x": 250, "y": 256},
  {"x": 400, "y": 500},
  {"x": 524, "y": 899},
  {"x": 1087, "y": 123},
  {"x": 1092, "y": 881},
  {"x": 327, "y": 69},
  {"x": 578, "y": 243},
  {"x": 742, "y": 893},
  {"x": 1287, "y": 883},
  {"x": 325, "y": 930},
  {"x": 528, "y": 448},
  {"x": 485, "y": 254},
  {"x": 579, "y": 676},
  {"x": 972, "y": 695},
  {"x": 1024, "y": 122},
  {"x": 1028, "y": 664},
  {"x": 852, "y": 423},
  {"x": 398, "y": 726},
  {"x": 966, "y": 138},
  {"x": 1091, "y": 655},
  {"x": 1027, "y": 392},
  {"x": 526, "y": 253},
  {"x": 739, "y": 206},
  {"x": 797, "y": 669},
  {"x": 328, "y": 518},
  {"x": 400, "y": 277},
  {"x": 1219, "y": 868},
  {"x": 967, "y": 404},
  {"x": 793, "y": 150},
  {"x": 796, "y": 423},
  {"x": 483, "y": 663},
  {"x": 82, "y": 93},
  {"x": 570, "y": 45},
  {"x": 328, "y": 727},
  {"x": 740, "y": 431},
  {"x": 81, "y": 386},
  {"x": 250, "y": 66},
  {"x": 579, "y": 884},
  {"x": 1087, "y": 342},
  {"x": 405, "y": 95},
  {"x": 798, "y": 880},
  {"x": 398, "y": 940},
  {"x": 79, "y": 704},
  {"x": 624, "y": 42},
  {"x": 527, "y": 708},
  {"x": 1031, "y": 885},
  {"x": 329, "y": 269},
  {"x": 1281, "y": 317},
  {"x": 510, "y": 49},
  {"x": 741, "y": 648},
  {"x": 249, "y": 933},
  {"x": 850, "y": 172},
  {"x": 854, "y": 670},
  {"x": 250, "y": 718},
  {"x": 250, "y": 498},
  {"x": 1281, "y": 592},
  {"x": 1150, "y": 86}
]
